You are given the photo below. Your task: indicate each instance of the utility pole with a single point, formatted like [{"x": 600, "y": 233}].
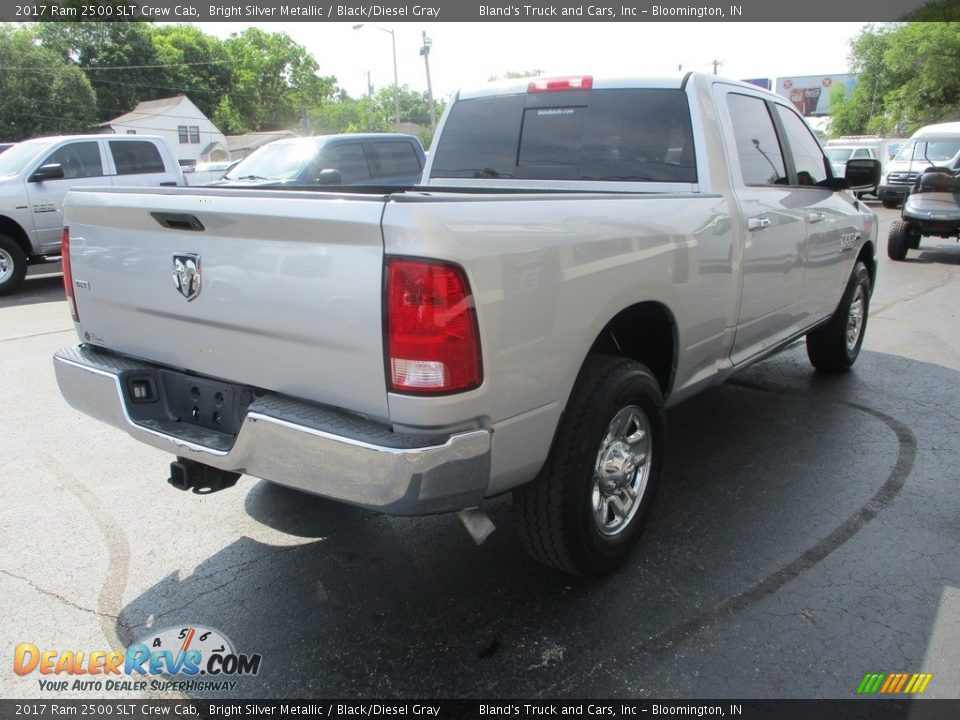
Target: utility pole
[
  {"x": 425, "y": 51},
  {"x": 716, "y": 64},
  {"x": 369, "y": 102}
]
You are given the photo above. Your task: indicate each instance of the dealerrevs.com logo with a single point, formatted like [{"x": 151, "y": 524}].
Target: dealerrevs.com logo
[{"x": 195, "y": 657}]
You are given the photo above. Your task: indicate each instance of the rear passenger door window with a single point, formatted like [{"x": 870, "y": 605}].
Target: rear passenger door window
[
  {"x": 396, "y": 160},
  {"x": 135, "y": 157}
]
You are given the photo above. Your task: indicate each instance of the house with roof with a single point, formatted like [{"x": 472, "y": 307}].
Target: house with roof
[{"x": 193, "y": 136}]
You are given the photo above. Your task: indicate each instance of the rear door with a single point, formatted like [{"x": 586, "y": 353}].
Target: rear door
[
  {"x": 396, "y": 162},
  {"x": 137, "y": 162}
]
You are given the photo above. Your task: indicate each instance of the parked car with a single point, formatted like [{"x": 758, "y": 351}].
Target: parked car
[
  {"x": 931, "y": 146},
  {"x": 380, "y": 159},
  {"x": 839, "y": 154},
  {"x": 35, "y": 176},
  {"x": 580, "y": 255}
]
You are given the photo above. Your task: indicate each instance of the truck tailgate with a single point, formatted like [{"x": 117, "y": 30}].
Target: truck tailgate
[{"x": 290, "y": 286}]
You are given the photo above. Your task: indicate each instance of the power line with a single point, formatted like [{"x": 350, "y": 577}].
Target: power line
[{"x": 119, "y": 67}]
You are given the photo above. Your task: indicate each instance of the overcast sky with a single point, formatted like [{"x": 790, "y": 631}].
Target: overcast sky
[{"x": 467, "y": 54}]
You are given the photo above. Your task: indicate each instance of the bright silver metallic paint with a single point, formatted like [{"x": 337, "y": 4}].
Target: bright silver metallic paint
[{"x": 292, "y": 298}]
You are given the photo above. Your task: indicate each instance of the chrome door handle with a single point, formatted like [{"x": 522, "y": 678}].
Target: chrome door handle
[
  {"x": 758, "y": 223},
  {"x": 815, "y": 217}
]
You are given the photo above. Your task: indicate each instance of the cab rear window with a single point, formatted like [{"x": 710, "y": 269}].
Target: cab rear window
[{"x": 613, "y": 135}]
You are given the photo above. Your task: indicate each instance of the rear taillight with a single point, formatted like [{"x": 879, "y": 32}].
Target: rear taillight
[
  {"x": 68, "y": 272},
  {"x": 432, "y": 342},
  {"x": 578, "y": 82}
]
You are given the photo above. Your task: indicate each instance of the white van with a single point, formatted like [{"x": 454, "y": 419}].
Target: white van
[
  {"x": 35, "y": 176},
  {"x": 930, "y": 145}
]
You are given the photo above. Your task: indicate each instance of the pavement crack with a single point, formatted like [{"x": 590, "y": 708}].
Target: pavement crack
[
  {"x": 60, "y": 598},
  {"x": 948, "y": 279},
  {"x": 110, "y": 601}
]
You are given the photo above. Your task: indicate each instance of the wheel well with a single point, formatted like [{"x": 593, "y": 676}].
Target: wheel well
[
  {"x": 868, "y": 257},
  {"x": 646, "y": 333},
  {"x": 13, "y": 229}
]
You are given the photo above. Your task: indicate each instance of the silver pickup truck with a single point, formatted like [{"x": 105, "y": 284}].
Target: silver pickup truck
[{"x": 582, "y": 254}]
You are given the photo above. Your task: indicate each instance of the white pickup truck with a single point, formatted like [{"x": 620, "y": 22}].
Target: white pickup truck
[
  {"x": 35, "y": 176},
  {"x": 582, "y": 254}
]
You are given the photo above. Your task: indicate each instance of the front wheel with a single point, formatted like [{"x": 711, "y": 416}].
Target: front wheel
[
  {"x": 585, "y": 511},
  {"x": 898, "y": 241},
  {"x": 834, "y": 347},
  {"x": 891, "y": 204},
  {"x": 13, "y": 265}
]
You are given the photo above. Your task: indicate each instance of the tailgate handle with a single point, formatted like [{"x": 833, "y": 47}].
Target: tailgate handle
[{"x": 179, "y": 221}]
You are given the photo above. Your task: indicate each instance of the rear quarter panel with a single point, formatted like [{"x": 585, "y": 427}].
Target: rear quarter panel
[{"x": 548, "y": 272}]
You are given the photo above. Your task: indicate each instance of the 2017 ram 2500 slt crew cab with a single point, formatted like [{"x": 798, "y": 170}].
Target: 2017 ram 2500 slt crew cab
[{"x": 581, "y": 254}]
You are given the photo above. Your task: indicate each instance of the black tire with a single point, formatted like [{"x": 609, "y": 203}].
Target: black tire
[
  {"x": 558, "y": 515},
  {"x": 13, "y": 265},
  {"x": 898, "y": 241},
  {"x": 914, "y": 237},
  {"x": 891, "y": 204},
  {"x": 834, "y": 347}
]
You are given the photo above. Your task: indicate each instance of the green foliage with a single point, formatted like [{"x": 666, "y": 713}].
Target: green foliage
[
  {"x": 43, "y": 94},
  {"x": 908, "y": 76},
  {"x": 936, "y": 11},
  {"x": 275, "y": 80},
  {"x": 90, "y": 72}
]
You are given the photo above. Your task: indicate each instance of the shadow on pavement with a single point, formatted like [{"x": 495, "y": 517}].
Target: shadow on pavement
[
  {"x": 40, "y": 289},
  {"x": 767, "y": 478}
]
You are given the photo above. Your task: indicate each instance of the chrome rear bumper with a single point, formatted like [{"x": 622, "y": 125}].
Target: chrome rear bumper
[{"x": 301, "y": 445}]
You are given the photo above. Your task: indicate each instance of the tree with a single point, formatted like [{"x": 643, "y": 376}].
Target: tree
[
  {"x": 40, "y": 92},
  {"x": 275, "y": 80},
  {"x": 908, "y": 75},
  {"x": 195, "y": 64},
  {"x": 118, "y": 58}
]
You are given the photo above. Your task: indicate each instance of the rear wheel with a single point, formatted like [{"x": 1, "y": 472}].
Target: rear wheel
[
  {"x": 834, "y": 347},
  {"x": 585, "y": 511},
  {"x": 898, "y": 241},
  {"x": 891, "y": 203},
  {"x": 13, "y": 265}
]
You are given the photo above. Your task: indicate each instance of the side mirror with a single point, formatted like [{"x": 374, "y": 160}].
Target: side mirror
[
  {"x": 50, "y": 171},
  {"x": 862, "y": 173},
  {"x": 329, "y": 177}
]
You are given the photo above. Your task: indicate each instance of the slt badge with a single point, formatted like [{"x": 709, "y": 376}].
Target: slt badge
[{"x": 186, "y": 275}]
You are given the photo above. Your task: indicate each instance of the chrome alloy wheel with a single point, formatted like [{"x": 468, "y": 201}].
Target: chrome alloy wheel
[
  {"x": 855, "y": 318},
  {"x": 621, "y": 471},
  {"x": 6, "y": 266}
]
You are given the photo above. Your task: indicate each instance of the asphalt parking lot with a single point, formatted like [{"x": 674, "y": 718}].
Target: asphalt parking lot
[{"x": 805, "y": 534}]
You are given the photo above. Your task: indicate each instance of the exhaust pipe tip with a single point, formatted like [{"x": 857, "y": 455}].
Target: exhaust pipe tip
[{"x": 477, "y": 523}]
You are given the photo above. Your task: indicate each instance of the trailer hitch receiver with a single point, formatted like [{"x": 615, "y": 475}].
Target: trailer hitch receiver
[{"x": 202, "y": 479}]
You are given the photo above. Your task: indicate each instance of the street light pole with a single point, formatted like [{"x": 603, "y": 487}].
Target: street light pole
[
  {"x": 425, "y": 51},
  {"x": 396, "y": 84}
]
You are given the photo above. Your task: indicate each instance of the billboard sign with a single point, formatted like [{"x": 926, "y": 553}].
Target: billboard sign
[{"x": 810, "y": 94}]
